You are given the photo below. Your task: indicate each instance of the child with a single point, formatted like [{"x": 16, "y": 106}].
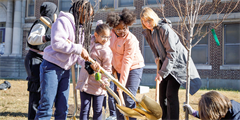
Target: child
[
  {"x": 215, "y": 106},
  {"x": 167, "y": 46},
  {"x": 66, "y": 47},
  {"x": 127, "y": 57},
  {"x": 39, "y": 37},
  {"x": 90, "y": 89}
]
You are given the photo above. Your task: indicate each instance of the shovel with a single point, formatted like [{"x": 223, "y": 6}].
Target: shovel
[
  {"x": 146, "y": 103},
  {"x": 124, "y": 110},
  {"x": 74, "y": 92},
  {"x": 157, "y": 84}
]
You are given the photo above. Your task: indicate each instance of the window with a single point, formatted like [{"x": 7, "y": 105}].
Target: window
[
  {"x": 30, "y": 8},
  {"x": 148, "y": 54},
  {"x": 152, "y": 2},
  {"x": 125, "y": 3},
  {"x": 64, "y": 5},
  {"x": 200, "y": 51},
  {"x": 231, "y": 44},
  {"x": 107, "y": 4},
  {"x": 2, "y": 32}
]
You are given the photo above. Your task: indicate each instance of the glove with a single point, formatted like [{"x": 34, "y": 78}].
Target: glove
[
  {"x": 48, "y": 37},
  {"x": 188, "y": 108},
  {"x": 88, "y": 68}
]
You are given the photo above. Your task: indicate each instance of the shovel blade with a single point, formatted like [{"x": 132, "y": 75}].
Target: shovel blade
[
  {"x": 148, "y": 115},
  {"x": 130, "y": 112},
  {"x": 151, "y": 106}
]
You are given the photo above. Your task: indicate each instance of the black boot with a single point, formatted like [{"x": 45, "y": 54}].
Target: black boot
[{"x": 6, "y": 85}]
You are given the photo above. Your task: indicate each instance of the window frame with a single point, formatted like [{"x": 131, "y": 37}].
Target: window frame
[
  {"x": 28, "y": 1},
  {"x": 207, "y": 46},
  {"x": 59, "y": 3},
  {"x": 224, "y": 45},
  {"x": 115, "y": 7}
]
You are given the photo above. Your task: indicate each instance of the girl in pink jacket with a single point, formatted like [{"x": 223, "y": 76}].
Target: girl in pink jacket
[
  {"x": 90, "y": 89},
  {"x": 127, "y": 58}
]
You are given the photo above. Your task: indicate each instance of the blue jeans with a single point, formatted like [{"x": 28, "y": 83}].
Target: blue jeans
[
  {"x": 97, "y": 101},
  {"x": 54, "y": 84},
  {"x": 133, "y": 81}
]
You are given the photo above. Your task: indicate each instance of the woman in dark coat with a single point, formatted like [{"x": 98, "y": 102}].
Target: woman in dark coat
[{"x": 167, "y": 46}]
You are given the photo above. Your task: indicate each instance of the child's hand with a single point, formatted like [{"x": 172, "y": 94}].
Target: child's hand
[
  {"x": 95, "y": 66},
  {"x": 187, "y": 107},
  {"x": 85, "y": 54},
  {"x": 103, "y": 86}
]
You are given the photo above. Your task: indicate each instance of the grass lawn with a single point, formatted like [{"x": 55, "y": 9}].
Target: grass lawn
[{"x": 14, "y": 101}]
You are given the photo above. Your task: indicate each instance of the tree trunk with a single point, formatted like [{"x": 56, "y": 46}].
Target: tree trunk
[{"x": 188, "y": 71}]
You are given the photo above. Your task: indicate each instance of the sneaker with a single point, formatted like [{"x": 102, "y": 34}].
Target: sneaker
[
  {"x": 4, "y": 86},
  {"x": 111, "y": 118}
]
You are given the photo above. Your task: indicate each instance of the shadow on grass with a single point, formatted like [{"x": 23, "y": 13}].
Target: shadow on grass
[{"x": 14, "y": 114}]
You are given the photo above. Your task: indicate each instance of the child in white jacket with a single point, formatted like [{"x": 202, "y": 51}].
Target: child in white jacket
[{"x": 90, "y": 89}]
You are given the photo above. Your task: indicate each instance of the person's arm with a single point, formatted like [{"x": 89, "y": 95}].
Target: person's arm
[
  {"x": 36, "y": 36},
  {"x": 60, "y": 34},
  {"x": 130, "y": 48},
  {"x": 170, "y": 39}
]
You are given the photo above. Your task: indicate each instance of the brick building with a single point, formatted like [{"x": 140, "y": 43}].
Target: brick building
[{"x": 219, "y": 66}]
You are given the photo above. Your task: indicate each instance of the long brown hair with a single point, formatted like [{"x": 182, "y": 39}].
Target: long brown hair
[{"x": 213, "y": 106}]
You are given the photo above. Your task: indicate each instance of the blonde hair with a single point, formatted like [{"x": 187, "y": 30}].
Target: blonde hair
[
  {"x": 148, "y": 13},
  {"x": 213, "y": 106}
]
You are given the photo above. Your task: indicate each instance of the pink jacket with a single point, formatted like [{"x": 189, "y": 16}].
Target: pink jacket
[
  {"x": 61, "y": 52},
  {"x": 103, "y": 55},
  {"x": 126, "y": 54}
]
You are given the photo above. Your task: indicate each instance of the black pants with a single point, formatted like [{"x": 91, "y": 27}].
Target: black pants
[
  {"x": 32, "y": 64},
  {"x": 168, "y": 98}
]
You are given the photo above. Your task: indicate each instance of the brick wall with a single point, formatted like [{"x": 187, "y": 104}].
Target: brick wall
[{"x": 215, "y": 54}]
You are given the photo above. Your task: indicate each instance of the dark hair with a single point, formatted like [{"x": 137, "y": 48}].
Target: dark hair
[
  {"x": 78, "y": 8},
  {"x": 101, "y": 27},
  {"x": 127, "y": 16}
]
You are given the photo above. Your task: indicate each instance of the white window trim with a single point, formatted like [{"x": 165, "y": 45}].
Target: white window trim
[
  {"x": 203, "y": 67},
  {"x": 203, "y": 1},
  {"x": 115, "y": 7},
  {"x": 31, "y": 17},
  {"x": 152, "y": 6},
  {"x": 230, "y": 67},
  {"x": 228, "y": 0}
]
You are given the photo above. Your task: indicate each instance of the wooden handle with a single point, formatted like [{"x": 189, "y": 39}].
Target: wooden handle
[
  {"x": 54, "y": 17},
  {"x": 45, "y": 22},
  {"x": 119, "y": 92},
  {"x": 74, "y": 90},
  {"x": 157, "y": 85}
]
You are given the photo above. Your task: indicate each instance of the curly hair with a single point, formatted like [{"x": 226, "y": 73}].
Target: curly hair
[{"x": 127, "y": 16}]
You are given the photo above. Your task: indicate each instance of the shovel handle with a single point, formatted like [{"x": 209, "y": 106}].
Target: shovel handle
[
  {"x": 111, "y": 92},
  {"x": 157, "y": 84},
  {"x": 115, "y": 81},
  {"x": 74, "y": 90},
  {"x": 119, "y": 92}
]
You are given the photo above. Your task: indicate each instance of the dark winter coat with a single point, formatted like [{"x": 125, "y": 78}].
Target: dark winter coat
[{"x": 166, "y": 44}]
